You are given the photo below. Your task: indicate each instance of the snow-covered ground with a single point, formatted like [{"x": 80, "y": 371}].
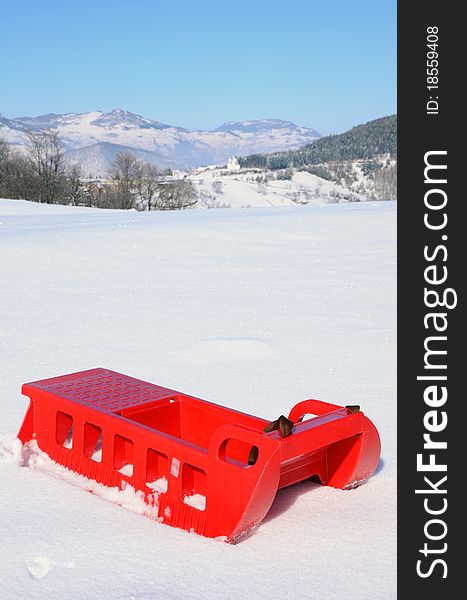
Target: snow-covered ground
[
  {"x": 253, "y": 308},
  {"x": 220, "y": 188}
]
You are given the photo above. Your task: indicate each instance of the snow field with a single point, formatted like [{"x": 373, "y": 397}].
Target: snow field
[
  {"x": 254, "y": 308},
  {"x": 217, "y": 188}
]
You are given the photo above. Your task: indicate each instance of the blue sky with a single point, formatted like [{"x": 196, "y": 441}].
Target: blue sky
[{"x": 323, "y": 64}]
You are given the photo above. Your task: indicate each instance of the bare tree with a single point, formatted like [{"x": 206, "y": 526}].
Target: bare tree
[
  {"x": 76, "y": 194},
  {"x": 23, "y": 180},
  {"x": 16, "y": 175},
  {"x": 5, "y": 151},
  {"x": 5, "y": 158},
  {"x": 48, "y": 164},
  {"x": 149, "y": 185},
  {"x": 126, "y": 176},
  {"x": 176, "y": 195}
]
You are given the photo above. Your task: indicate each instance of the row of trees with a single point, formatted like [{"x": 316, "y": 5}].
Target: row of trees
[
  {"x": 38, "y": 175},
  {"x": 136, "y": 184},
  {"x": 42, "y": 175}
]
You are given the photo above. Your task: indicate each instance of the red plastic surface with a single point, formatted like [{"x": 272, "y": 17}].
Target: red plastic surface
[{"x": 119, "y": 430}]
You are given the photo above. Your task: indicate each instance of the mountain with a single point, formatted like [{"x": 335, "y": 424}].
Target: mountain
[
  {"x": 92, "y": 139},
  {"x": 265, "y": 125},
  {"x": 96, "y": 160},
  {"x": 116, "y": 119},
  {"x": 7, "y": 125}
]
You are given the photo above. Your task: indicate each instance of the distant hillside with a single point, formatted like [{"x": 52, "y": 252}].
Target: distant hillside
[
  {"x": 375, "y": 138},
  {"x": 363, "y": 159}
]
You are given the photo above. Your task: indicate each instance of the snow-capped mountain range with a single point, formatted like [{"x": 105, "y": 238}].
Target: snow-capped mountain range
[{"x": 92, "y": 139}]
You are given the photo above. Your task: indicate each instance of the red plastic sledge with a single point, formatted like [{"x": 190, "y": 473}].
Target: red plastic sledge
[{"x": 192, "y": 458}]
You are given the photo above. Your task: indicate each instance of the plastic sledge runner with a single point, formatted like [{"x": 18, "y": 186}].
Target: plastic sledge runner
[{"x": 118, "y": 430}]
